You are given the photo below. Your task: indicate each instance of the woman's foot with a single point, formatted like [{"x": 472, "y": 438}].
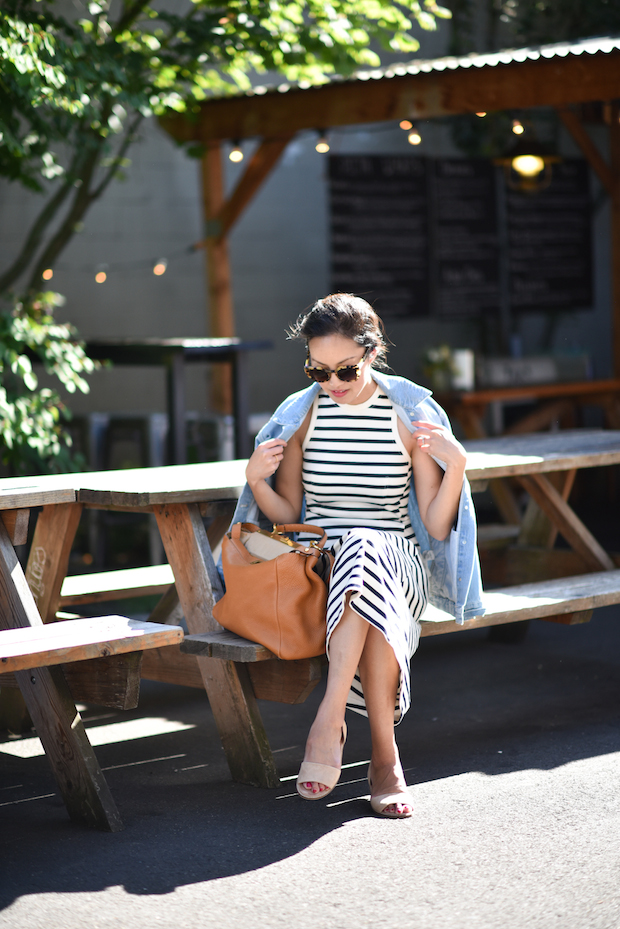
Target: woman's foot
[
  {"x": 388, "y": 791},
  {"x": 320, "y": 770}
]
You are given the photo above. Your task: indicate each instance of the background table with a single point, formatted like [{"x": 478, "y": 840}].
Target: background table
[{"x": 173, "y": 354}]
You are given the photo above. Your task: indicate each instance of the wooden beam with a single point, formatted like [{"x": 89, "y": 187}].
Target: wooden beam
[
  {"x": 49, "y": 557},
  {"x": 16, "y": 524},
  {"x": 260, "y": 165},
  {"x": 228, "y": 686},
  {"x": 220, "y": 318},
  {"x": 580, "y": 136},
  {"x": 568, "y": 523},
  {"x": 614, "y": 148},
  {"x": 554, "y": 81}
]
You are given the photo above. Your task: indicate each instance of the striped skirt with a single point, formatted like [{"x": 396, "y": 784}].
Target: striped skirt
[{"x": 388, "y": 583}]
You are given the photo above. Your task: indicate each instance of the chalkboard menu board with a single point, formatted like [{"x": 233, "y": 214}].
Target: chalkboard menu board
[
  {"x": 466, "y": 252},
  {"x": 549, "y": 240},
  {"x": 379, "y": 238},
  {"x": 419, "y": 236}
]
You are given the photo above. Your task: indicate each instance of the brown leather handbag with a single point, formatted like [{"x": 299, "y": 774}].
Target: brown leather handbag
[{"x": 277, "y": 601}]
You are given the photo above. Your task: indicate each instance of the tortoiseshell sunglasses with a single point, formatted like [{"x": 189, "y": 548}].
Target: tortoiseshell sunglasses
[{"x": 345, "y": 373}]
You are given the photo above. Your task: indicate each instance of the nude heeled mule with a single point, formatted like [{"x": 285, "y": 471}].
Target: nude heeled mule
[
  {"x": 320, "y": 773},
  {"x": 381, "y": 801}
]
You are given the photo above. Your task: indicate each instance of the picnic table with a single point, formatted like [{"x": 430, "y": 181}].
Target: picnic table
[{"x": 234, "y": 671}]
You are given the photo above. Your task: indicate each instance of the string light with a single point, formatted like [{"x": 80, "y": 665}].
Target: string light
[
  {"x": 322, "y": 145},
  {"x": 236, "y": 154},
  {"x": 481, "y": 113},
  {"x": 406, "y": 124},
  {"x": 517, "y": 127},
  {"x": 101, "y": 276},
  {"x": 160, "y": 267},
  {"x": 414, "y": 137},
  {"x": 48, "y": 274}
]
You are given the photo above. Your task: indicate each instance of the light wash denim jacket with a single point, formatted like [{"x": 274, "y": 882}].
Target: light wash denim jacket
[{"x": 452, "y": 564}]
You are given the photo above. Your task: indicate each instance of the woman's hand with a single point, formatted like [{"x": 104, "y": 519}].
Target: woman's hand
[
  {"x": 434, "y": 439},
  {"x": 265, "y": 461}
]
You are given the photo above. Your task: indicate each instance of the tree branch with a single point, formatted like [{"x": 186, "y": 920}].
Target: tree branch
[{"x": 39, "y": 226}]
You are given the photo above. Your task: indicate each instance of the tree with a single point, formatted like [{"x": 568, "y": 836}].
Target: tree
[
  {"x": 75, "y": 88},
  {"x": 76, "y": 81}
]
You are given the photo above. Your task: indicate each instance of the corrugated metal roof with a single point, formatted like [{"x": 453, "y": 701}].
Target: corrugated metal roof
[{"x": 593, "y": 46}]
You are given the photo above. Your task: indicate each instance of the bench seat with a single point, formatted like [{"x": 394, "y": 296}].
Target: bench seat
[
  {"x": 115, "y": 585},
  {"x": 80, "y": 639},
  {"x": 542, "y": 600}
]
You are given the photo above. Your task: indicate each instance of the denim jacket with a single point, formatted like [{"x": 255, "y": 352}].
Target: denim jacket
[{"x": 453, "y": 566}]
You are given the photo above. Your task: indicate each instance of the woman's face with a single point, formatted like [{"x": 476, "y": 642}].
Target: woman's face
[{"x": 331, "y": 351}]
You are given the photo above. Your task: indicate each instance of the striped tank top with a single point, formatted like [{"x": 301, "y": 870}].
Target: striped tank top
[{"x": 356, "y": 470}]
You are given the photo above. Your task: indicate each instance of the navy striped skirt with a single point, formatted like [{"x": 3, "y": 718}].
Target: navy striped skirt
[{"x": 387, "y": 580}]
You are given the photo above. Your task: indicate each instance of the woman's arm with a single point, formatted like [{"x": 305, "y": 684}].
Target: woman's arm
[
  {"x": 282, "y": 505},
  {"x": 438, "y": 492}
]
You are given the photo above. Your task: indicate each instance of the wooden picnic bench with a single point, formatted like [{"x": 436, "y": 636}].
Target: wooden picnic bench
[
  {"x": 234, "y": 672},
  {"x": 31, "y": 652}
]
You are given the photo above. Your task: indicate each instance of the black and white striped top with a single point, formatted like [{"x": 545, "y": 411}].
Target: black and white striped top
[{"x": 356, "y": 470}]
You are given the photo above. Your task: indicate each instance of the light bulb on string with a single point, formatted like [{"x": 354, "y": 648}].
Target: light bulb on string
[
  {"x": 414, "y": 137},
  {"x": 236, "y": 154},
  {"x": 48, "y": 274},
  {"x": 101, "y": 274},
  {"x": 517, "y": 127},
  {"x": 406, "y": 124},
  {"x": 322, "y": 145},
  {"x": 160, "y": 267},
  {"x": 481, "y": 113}
]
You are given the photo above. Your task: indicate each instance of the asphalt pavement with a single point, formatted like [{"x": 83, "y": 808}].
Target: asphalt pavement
[{"x": 513, "y": 757}]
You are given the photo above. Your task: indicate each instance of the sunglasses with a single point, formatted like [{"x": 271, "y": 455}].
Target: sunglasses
[{"x": 346, "y": 373}]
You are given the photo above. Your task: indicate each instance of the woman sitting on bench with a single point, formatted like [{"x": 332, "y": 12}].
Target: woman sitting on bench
[{"x": 356, "y": 453}]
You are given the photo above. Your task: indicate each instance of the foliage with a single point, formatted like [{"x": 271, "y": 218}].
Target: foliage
[
  {"x": 77, "y": 80},
  {"x": 31, "y": 419}
]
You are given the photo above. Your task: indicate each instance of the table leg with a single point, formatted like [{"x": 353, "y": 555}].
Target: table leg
[
  {"x": 240, "y": 405},
  {"x": 78, "y": 775},
  {"x": 49, "y": 555},
  {"x": 227, "y": 683},
  {"x": 569, "y": 525},
  {"x": 175, "y": 385}
]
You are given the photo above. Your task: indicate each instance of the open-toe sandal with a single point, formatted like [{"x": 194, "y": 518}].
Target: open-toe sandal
[
  {"x": 380, "y": 802},
  {"x": 320, "y": 773}
]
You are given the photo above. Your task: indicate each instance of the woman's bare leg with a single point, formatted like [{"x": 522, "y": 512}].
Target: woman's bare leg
[
  {"x": 380, "y": 673},
  {"x": 354, "y": 642},
  {"x": 345, "y": 648}
]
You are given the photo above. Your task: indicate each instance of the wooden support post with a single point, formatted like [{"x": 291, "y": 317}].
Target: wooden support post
[
  {"x": 220, "y": 322},
  {"x": 227, "y": 683},
  {"x": 49, "y": 555},
  {"x": 614, "y": 147},
  {"x": 570, "y": 526},
  {"x": 58, "y": 724}
]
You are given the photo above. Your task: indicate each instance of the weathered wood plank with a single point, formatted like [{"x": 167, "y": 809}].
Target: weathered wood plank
[
  {"x": 289, "y": 682},
  {"x": 534, "y": 601},
  {"x": 227, "y": 684},
  {"x": 58, "y": 724},
  {"x": 169, "y": 666},
  {"x": 111, "y": 682},
  {"x": 538, "y": 453},
  {"x": 567, "y": 521},
  {"x": 49, "y": 555},
  {"x": 16, "y": 524},
  {"x": 195, "y": 483},
  {"x": 225, "y": 645},
  {"x": 78, "y": 639},
  {"x": 114, "y": 585}
]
